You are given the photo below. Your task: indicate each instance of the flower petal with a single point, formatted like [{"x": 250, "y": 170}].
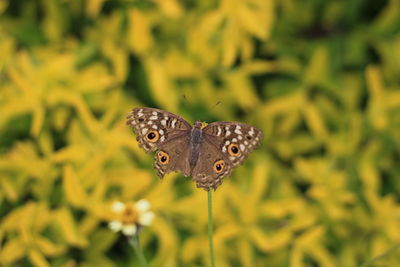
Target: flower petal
[
  {"x": 115, "y": 226},
  {"x": 142, "y": 205},
  {"x": 117, "y": 206},
  {"x": 146, "y": 218},
  {"x": 129, "y": 229}
]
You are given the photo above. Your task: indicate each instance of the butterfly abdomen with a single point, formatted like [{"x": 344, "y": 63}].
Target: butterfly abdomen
[{"x": 195, "y": 141}]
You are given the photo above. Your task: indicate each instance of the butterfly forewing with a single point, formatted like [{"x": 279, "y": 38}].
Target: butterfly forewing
[
  {"x": 155, "y": 127},
  {"x": 235, "y": 140}
]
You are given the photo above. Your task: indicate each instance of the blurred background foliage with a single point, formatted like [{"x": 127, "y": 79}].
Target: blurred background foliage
[{"x": 320, "y": 78}]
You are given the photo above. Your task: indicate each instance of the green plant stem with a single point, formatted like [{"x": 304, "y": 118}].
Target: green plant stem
[
  {"x": 134, "y": 242},
  {"x": 210, "y": 228},
  {"x": 384, "y": 254}
]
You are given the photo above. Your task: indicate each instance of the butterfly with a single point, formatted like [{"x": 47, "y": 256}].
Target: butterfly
[{"x": 207, "y": 154}]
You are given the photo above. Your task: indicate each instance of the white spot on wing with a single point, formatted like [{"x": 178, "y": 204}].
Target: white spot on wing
[
  {"x": 234, "y": 140},
  {"x": 144, "y": 131},
  {"x": 153, "y": 118},
  {"x": 161, "y": 132},
  {"x": 154, "y": 127},
  {"x": 173, "y": 123},
  {"x": 240, "y": 137},
  {"x": 246, "y": 143},
  {"x": 228, "y": 133},
  {"x": 242, "y": 147},
  {"x": 227, "y": 142},
  {"x": 219, "y": 131},
  {"x": 164, "y": 122},
  {"x": 237, "y": 130},
  {"x": 154, "y": 113},
  {"x": 232, "y": 158},
  {"x": 251, "y": 132},
  {"x": 223, "y": 149},
  {"x": 162, "y": 138},
  {"x": 150, "y": 123}
]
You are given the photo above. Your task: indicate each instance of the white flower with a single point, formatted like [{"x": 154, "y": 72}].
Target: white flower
[{"x": 128, "y": 217}]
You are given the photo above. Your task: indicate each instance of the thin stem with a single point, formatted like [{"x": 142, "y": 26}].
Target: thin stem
[
  {"x": 384, "y": 254},
  {"x": 134, "y": 242},
  {"x": 210, "y": 228}
]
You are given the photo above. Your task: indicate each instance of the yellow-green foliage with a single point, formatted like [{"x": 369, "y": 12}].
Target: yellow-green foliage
[{"x": 320, "y": 78}]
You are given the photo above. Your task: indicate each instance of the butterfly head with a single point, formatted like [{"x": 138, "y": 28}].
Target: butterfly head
[{"x": 198, "y": 125}]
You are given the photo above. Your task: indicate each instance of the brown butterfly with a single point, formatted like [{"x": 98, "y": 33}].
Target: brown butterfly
[{"x": 206, "y": 153}]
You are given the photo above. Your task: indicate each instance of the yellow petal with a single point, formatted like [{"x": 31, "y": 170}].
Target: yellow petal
[
  {"x": 275, "y": 241},
  {"x": 314, "y": 121},
  {"x": 37, "y": 259},
  {"x": 47, "y": 247},
  {"x": 72, "y": 187},
  {"x": 245, "y": 253},
  {"x": 93, "y": 7},
  {"x": 38, "y": 120},
  {"x": 160, "y": 85},
  {"x": 68, "y": 228},
  {"x": 139, "y": 33},
  {"x": 12, "y": 251},
  {"x": 296, "y": 257},
  {"x": 8, "y": 189}
]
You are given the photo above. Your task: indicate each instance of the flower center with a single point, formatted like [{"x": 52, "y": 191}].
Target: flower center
[{"x": 129, "y": 215}]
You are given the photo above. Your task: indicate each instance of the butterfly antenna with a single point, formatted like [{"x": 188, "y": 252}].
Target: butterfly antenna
[
  {"x": 186, "y": 99},
  {"x": 216, "y": 104}
]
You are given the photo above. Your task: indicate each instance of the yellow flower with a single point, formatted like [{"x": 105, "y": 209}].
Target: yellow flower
[{"x": 129, "y": 217}]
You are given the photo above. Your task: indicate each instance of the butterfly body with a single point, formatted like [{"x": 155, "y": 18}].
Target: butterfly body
[
  {"x": 207, "y": 154},
  {"x": 196, "y": 138}
]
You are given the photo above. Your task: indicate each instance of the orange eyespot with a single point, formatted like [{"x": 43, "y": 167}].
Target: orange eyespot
[
  {"x": 233, "y": 150},
  {"x": 163, "y": 157},
  {"x": 152, "y": 136},
  {"x": 219, "y": 166}
]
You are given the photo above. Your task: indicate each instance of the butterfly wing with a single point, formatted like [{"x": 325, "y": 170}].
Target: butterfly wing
[
  {"x": 211, "y": 167},
  {"x": 166, "y": 133},
  {"x": 173, "y": 156},
  {"x": 227, "y": 144},
  {"x": 155, "y": 127}
]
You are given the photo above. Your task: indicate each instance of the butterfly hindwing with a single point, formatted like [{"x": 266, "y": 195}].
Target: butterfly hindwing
[
  {"x": 173, "y": 156},
  {"x": 155, "y": 127},
  {"x": 212, "y": 165}
]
